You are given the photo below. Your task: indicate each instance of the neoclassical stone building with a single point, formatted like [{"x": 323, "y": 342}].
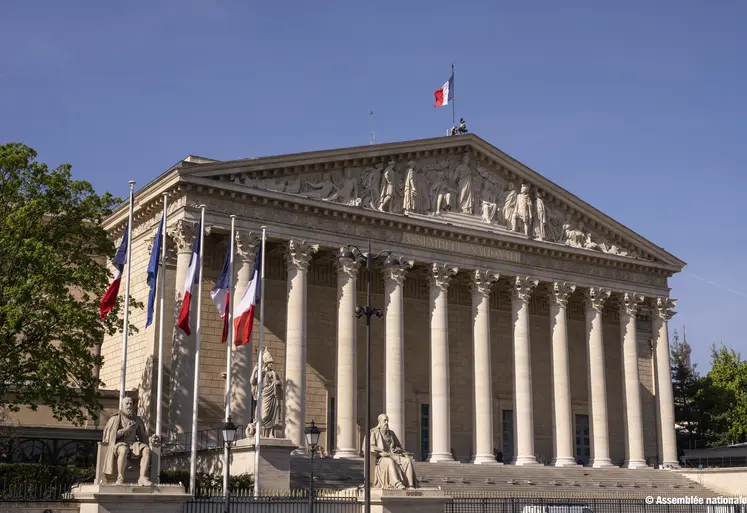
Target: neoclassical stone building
[{"x": 519, "y": 320}]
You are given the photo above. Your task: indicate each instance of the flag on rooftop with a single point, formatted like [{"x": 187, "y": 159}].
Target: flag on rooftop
[{"x": 446, "y": 93}]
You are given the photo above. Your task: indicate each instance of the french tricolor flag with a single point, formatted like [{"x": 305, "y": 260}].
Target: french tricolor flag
[
  {"x": 242, "y": 324},
  {"x": 189, "y": 282},
  {"x": 446, "y": 93},
  {"x": 119, "y": 261},
  {"x": 221, "y": 294}
]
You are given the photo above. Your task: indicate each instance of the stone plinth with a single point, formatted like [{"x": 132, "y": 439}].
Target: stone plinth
[
  {"x": 419, "y": 500},
  {"x": 274, "y": 461},
  {"x": 130, "y": 498}
]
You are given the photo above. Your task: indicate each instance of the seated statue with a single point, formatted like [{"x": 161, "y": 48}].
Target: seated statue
[
  {"x": 126, "y": 438},
  {"x": 394, "y": 468}
]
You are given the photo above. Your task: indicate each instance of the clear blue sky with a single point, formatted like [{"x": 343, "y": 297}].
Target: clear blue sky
[{"x": 637, "y": 107}]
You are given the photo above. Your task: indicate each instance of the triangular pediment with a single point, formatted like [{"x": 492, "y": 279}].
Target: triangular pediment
[{"x": 460, "y": 181}]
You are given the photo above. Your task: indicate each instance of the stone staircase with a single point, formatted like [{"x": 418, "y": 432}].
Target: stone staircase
[{"x": 510, "y": 481}]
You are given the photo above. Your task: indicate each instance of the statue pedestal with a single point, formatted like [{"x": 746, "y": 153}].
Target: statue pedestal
[
  {"x": 274, "y": 461},
  {"x": 418, "y": 500},
  {"x": 130, "y": 498}
]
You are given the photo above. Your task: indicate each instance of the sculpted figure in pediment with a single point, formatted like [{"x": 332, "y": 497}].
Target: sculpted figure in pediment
[
  {"x": 521, "y": 217},
  {"x": 415, "y": 196},
  {"x": 390, "y": 190},
  {"x": 323, "y": 189},
  {"x": 443, "y": 190},
  {"x": 371, "y": 186},
  {"x": 463, "y": 177},
  {"x": 540, "y": 222},
  {"x": 347, "y": 191},
  {"x": 489, "y": 201}
]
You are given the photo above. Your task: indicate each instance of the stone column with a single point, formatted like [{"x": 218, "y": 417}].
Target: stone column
[
  {"x": 482, "y": 282},
  {"x": 561, "y": 380},
  {"x": 440, "y": 278},
  {"x": 347, "y": 366},
  {"x": 521, "y": 291},
  {"x": 600, "y": 450},
  {"x": 634, "y": 453},
  {"x": 246, "y": 246},
  {"x": 662, "y": 312},
  {"x": 183, "y": 346},
  {"x": 394, "y": 357},
  {"x": 298, "y": 256}
]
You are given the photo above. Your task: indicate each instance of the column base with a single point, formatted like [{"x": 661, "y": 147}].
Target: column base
[
  {"x": 633, "y": 464},
  {"x": 526, "y": 461},
  {"x": 602, "y": 463},
  {"x": 566, "y": 461},
  {"x": 485, "y": 459},
  {"x": 347, "y": 454},
  {"x": 442, "y": 458}
]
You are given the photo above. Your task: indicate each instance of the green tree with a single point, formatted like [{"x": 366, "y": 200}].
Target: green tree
[
  {"x": 50, "y": 285},
  {"x": 728, "y": 380},
  {"x": 688, "y": 387}
]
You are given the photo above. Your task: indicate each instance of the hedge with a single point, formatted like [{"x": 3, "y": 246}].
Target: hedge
[{"x": 206, "y": 481}]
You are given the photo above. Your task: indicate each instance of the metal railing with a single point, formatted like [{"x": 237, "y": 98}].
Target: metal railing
[
  {"x": 527, "y": 505},
  {"x": 17, "y": 490},
  {"x": 716, "y": 462},
  {"x": 243, "y": 501},
  {"x": 206, "y": 439}
]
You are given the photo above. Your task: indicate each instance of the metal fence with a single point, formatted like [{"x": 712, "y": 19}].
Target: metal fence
[
  {"x": 17, "y": 490},
  {"x": 243, "y": 501},
  {"x": 205, "y": 439},
  {"x": 526, "y": 505}
]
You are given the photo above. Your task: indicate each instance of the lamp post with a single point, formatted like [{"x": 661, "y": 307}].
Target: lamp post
[
  {"x": 312, "y": 440},
  {"x": 228, "y": 429},
  {"x": 368, "y": 311}
]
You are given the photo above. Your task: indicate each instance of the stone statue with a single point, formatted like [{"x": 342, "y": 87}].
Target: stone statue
[
  {"x": 523, "y": 211},
  {"x": 489, "y": 202},
  {"x": 443, "y": 189},
  {"x": 463, "y": 178},
  {"x": 509, "y": 205},
  {"x": 370, "y": 196},
  {"x": 347, "y": 193},
  {"x": 541, "y": 220},
  {"x": 321, "y": 190},
  {"x": 388, "y": 189},
  {"x": 394, "y": 466},
  {"x": 272, "y": 392},
  {"x": 415, "y": 197},
  {"x": 126, "y": 438}
]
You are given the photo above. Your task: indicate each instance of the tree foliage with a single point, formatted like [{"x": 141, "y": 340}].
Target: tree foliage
[
  {"x": 709, "y": 410},
  {"x": 50, "y": 285}
]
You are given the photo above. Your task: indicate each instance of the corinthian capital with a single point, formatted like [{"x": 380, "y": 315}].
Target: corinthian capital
[
  {"x": 481, "y": 281},
  {"x": 247, "y": 244},
  {"x": 664, "y": 308},
  {"x": 298, "y": 254},
  {"x": 441, "y": 275},
  {"x": 630, "y": 303},
  {"x": 182, "y": 233},
  {"x": 395, "y": 269},
  {"x": 522, "y": 287},
  {"x": 595, "y": 298},
  {"x": 561, "y": 291}
]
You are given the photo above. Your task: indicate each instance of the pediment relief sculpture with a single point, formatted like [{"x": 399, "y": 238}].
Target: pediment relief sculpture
[{"x": 453, "y": 185}]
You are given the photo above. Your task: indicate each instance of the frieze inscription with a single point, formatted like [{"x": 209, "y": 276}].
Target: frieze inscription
[{"x": 461, "y": 247}]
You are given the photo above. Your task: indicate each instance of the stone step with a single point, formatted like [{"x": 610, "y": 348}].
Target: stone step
[{"x": 509, "y": 480}]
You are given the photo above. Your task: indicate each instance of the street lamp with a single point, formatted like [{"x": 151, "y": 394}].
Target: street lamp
[
  {"x": 368, "y": 311},
  {"x": 228, "y": 429},
  {"x": 312, "y": 440}
]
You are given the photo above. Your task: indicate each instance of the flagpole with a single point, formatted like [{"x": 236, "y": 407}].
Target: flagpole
[
  {"x": 229, "y": 356},
  {"x": 126, "y": 322},
  {"x": 258, "y": 411},
  {"x": 453, "y": 101},
  {"x": 161, "y": 313},
  {"x": 195, "y": 397}
]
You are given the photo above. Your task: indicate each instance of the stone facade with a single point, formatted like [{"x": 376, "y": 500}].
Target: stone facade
[{"x": 483, "y": 247}]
